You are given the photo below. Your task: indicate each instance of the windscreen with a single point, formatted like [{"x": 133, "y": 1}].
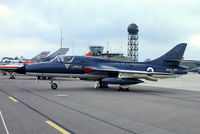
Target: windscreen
[
  {"x": 67, "y": 59},
  {"x": 56, "y": 59}
]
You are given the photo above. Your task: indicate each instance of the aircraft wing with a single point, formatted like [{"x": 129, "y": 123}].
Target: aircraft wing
[{"x": 105, "y": 68}]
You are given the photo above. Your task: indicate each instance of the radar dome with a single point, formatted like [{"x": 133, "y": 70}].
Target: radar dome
[{"x": 133, "y": 29}]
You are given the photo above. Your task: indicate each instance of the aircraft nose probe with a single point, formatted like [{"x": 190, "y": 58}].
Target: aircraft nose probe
[{"x": 20, "y": 70}]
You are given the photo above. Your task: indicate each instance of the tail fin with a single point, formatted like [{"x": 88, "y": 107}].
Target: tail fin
[
  {"x": 40, "y": 56},
  {"x": 61, "y": 51},
  {"x": 172, "y": 57}
]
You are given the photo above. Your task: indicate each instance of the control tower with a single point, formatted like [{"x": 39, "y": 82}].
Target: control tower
[
  {"x": 96, "y": 50},
  {"x": 133, "y": 41}
]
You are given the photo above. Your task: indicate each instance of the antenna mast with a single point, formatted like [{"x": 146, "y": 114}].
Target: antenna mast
[{"x": 61, "y": 38}]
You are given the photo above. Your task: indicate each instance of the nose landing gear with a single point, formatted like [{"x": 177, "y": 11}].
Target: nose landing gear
[{"x": 54, "y": 86}]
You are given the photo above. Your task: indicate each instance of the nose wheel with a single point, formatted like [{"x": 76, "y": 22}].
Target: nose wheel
[{"x": 54, "y": 86}]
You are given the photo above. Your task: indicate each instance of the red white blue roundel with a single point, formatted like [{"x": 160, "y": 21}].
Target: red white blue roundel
[
  {"x": 67, "y": 65},
  {"x": 150, "y": 69}
]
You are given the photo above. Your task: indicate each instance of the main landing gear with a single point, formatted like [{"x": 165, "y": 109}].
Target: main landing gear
[
  {"x": 124, "y": 88},
  {"x": 100, "y": 84},
  {"x": 54, "y": 86}
]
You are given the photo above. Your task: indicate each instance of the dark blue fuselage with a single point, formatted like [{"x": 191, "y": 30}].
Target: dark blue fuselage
[{"x": 79, "y": 63}]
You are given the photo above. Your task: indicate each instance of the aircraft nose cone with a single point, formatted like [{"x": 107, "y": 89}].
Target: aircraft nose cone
[{"x": 20, "y": 70}]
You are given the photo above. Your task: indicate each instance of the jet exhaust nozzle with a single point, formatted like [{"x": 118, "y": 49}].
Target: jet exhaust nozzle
[{"x": 20, "y": 70}]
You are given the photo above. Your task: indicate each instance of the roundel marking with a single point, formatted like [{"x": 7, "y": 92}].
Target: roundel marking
[
  {"x": 67, "y": 66},
  {"x": 150, "y": 69}
]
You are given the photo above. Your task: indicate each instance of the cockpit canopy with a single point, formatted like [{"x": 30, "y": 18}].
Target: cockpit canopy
[{"x": 63, "y": 59}]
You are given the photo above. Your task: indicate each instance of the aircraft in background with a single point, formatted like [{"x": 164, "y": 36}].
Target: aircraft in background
[
  {"x": 43, "y": 56},
  {"x": 106, "y": 71},
  {"x": 7, "y": 66},
  {"x": 196, "y": 70},
  {"x": 61, "y": 51},
  {"x": 40, "y": 56}
]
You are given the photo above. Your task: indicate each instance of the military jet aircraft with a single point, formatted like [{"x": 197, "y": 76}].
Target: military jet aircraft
[
  {"x": 40, "y": 56},
  {"x": 61, "y": 51},
  {"x": 106, "y": 71}
]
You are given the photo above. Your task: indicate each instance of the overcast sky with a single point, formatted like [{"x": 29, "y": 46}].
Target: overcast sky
[{"x": 28, "y": 27}]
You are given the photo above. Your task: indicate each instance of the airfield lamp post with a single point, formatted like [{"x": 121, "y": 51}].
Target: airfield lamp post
[{"x": 133, "y": 41}]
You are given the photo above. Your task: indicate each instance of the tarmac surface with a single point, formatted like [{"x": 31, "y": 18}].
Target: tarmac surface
[
  {"x": 190, "y": 82},
  {"x": 77, "y": 108}
]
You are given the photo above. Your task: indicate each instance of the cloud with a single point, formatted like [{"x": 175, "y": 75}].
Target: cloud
[
  {"x": 24, "y": 46},
  {"x": 162, "y": 24},
  {"x": 194, "y": 41},
  {"x": 5, "y": 11},
  {"x": 20, "y": 21}
]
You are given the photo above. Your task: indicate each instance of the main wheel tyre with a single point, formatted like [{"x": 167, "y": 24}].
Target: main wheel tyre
[
  {"x": 124, "y": 88},
  {"x": 54, "y": 86},
  {"x": 103, "y": 85}
]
